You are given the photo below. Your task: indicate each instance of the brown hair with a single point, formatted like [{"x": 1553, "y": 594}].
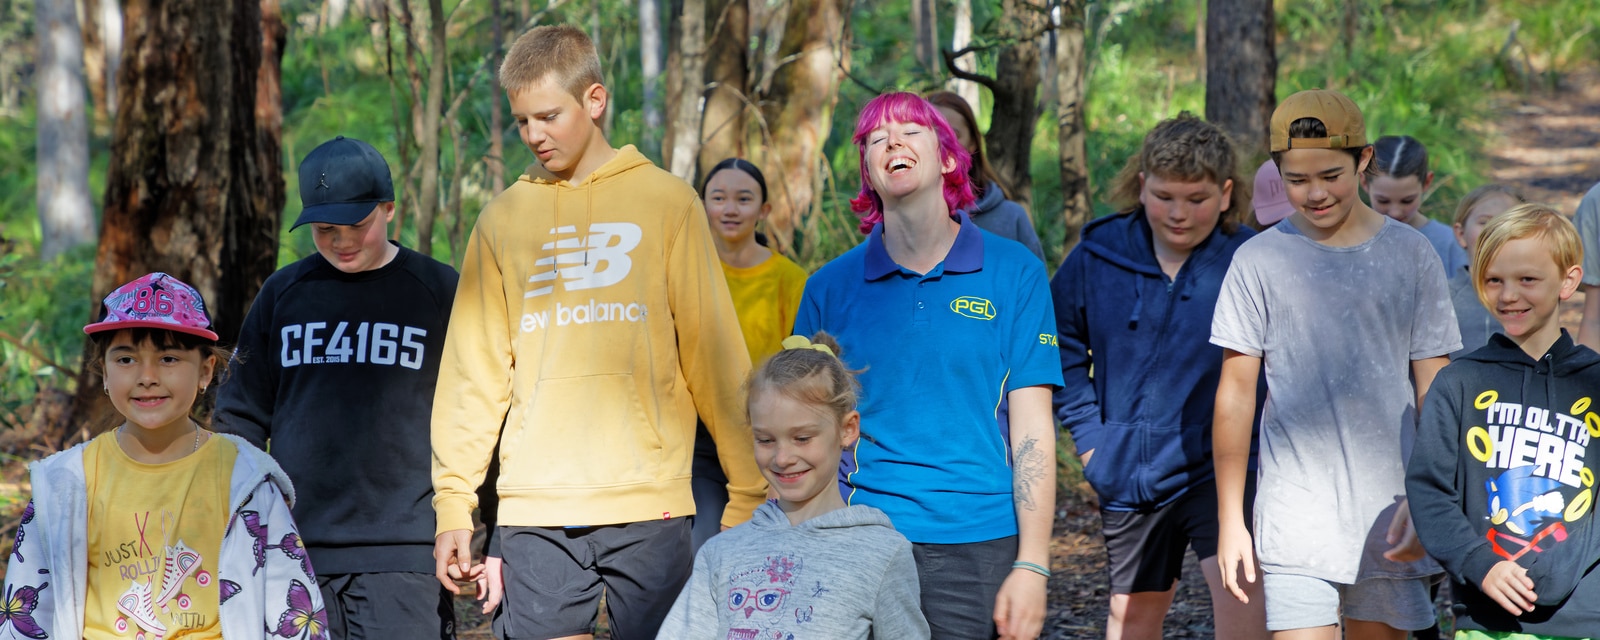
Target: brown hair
[
  {"x": 1526, "y": 221},
  {"x": 1187, "y": 149},
  {"x": 808, "y": 375},
  {"x": 561, "y": 53},
  {"x": 1485, "y": 192},
  {"x": 982, "y": 173},
  {"x": 100, "y": 343},
  {"x": 1313, "y": 128}
]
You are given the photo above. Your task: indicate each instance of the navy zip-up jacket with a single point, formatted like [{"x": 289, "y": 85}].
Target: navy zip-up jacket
[{"x": 1146, "y": 410}]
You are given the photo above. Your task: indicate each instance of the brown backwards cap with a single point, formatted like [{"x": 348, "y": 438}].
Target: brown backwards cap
[{"x": 1346, "y": 128}]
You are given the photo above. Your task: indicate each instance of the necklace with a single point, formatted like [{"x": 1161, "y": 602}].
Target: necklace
[{"x": 124, "y": 426}]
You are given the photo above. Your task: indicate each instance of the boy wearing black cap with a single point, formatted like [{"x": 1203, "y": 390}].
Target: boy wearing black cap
[
  {"x": 1343, "y": 308},
  {"x": 336, "y": 367}
]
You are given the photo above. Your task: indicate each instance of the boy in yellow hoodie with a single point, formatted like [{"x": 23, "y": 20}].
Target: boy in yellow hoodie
[{"x": 593, "y": 322}]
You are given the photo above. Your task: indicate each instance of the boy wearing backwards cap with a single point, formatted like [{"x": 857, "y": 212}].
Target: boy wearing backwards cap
[
  {"x": 336, "y": 367},
  {"x": 1315, "y": 302}
]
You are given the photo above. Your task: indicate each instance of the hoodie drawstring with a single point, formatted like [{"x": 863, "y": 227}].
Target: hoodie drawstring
[{"x": 1138, "y": 306}]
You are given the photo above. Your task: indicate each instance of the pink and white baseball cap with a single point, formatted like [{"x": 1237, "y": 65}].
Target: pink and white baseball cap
[
  {"x": 155, "y": 301},
  {"x": 1271, "y": 199}
]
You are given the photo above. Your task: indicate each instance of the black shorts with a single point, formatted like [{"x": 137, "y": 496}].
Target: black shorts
[
  {"x": 387, "y": 605},
  {"x": 959, "y": 583},
  {"x": 1146, "y": 548},
  {"x": 554, "y": 578}
]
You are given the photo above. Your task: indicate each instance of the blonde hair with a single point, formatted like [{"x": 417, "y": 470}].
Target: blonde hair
[
  {"x": 1480, "y": 194},
  {"x": 1185, "y": 148},
  {"x": 561, "y": 53},
  {"x": 1525, "y": 221},
  {"x": 808, "y": 375}
]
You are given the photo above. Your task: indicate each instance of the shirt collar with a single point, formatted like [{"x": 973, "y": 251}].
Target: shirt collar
[{"x": 965, "y": 256}]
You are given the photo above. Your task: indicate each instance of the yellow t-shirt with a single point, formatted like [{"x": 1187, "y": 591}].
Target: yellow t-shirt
[
  {"x": 155, "y": 531},
  {"x": 766, "y": 297}
]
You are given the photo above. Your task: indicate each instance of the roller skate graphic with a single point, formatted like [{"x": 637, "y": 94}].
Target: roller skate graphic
[
  {"x": 137, "y": 607},
  {"x": 181, "y": 562}
]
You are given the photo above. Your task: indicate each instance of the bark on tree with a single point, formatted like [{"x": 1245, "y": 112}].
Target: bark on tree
[
  {"x": 925, "y": 24},
  {"x": 682, "y": 146},
  {"x": 722, "y": 125},
  {"x": 427, "y": 200},
  {"x": 1241, "y": 72},
  {"x": 66, "y": 214},
  {"x": 195, "y": 185},
  {"x": 496, "y": 162},
  {"x": 798, "y": 113},
  {"x": 102, "y": 52},
  {"x": 650, "y": 68},
  {"x": 1016, "y": 104},
  {"x": 1071, "y": 131},
  {"x": 960, "y": 37}
]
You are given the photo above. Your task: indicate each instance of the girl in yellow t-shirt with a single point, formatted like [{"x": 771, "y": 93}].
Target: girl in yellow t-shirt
[
  {"x": 766, "y": 290},
  {"x": 159, "y": 528}
]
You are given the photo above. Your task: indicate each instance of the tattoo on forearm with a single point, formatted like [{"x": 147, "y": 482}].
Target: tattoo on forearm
[{"x": 1027, "y": 472}]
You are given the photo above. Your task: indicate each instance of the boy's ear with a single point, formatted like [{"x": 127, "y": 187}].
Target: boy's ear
[
  {"x": 388, "y": 211},
  {"x": 1571, "y": 280},
  {"x": 595, "y": 100},
  {"x": 1227, "y": 194},
  {"x": 1366, "y": 159}
]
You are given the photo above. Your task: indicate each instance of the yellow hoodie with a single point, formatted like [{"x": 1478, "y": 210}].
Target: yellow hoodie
[{"x": 593, "y": 321}]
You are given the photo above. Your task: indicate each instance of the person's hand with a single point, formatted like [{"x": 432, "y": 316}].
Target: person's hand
[
  {"x": 1403, "y": 535},
  {"x": 1084, "y": 457},
  {"x": 1019, "y": 607},
  {"x": 1508, "y": 584},
  {"x": 452, "y": 559},
  {"x": 1235, "y": 551},
  {"x": 491, "y": 583}
]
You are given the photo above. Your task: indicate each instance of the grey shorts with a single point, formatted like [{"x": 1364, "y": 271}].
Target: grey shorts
[
  {"x": 1302, "y": 602},
  {"x": 959, "y": 584}
]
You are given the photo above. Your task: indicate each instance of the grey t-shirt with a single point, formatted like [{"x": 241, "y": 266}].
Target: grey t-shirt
[
  {"x": 1336, "y": 329},
  {"x": 1475, "y": 321},
  {"x": 1587, "y": 219}
]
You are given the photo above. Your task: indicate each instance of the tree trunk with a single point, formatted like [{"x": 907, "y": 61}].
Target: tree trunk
[
  {"x": 1016, "y": 103},
  {"x": 427, "y": 199},
  {"x": 66, "y": 214},
  {"x": 497, "y": 149},
  {"x": 722, "y": 126},
  {"x": 961, "y": 36},
  {"x": 798, "y": 110},
  {"x": 195, "y": 186},
  {"x": 925, "y": 24},
  {"x": 1241, "y": 72},
  {"x": 1075, "y": 208},
  {"x": 683, "y": 141},
  {"x": 650, "y": 68}
]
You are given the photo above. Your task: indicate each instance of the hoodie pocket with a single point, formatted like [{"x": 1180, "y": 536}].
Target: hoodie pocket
[
  {"x": 1113, "y": 470},
  {"x": 584, "y": 431}
]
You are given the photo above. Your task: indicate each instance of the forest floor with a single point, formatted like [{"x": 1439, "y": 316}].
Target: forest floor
[{"x": 1547, "y": 143}]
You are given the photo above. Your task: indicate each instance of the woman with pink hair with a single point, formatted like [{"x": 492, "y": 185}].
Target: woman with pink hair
[{"x": 945, "y": 320}]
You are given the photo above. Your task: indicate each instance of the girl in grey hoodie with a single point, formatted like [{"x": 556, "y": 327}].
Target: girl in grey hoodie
[{"x": 805, "y": 565}]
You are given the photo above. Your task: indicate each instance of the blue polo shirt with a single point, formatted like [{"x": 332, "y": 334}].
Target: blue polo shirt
[{"x": 938, "y": 351}]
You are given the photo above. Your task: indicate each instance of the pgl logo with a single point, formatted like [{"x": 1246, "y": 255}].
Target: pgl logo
[
  {"x": 973, "y": 307},
  {"x": 591, "y": 261}
]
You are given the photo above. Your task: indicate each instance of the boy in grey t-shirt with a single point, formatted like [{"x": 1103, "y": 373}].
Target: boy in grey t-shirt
[{"x": 1343, "y": 308}]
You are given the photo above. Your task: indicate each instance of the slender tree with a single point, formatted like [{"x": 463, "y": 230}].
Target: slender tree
[
  {"x": 1241, "y": 71},
  {"x": 682, "y": 147},
  {"x": 722, "y": 126},
  {"x": 1070, "y": 129},
  {"x": 960, "y": 38},
  {"x": 195, "y": 186},
  {"x": 66, "y": 215},
  {"x": 1015, "y": 88},
  {"x": 650, "y": 67}
]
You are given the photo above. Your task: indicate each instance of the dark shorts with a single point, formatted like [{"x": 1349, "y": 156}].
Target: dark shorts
[
  {"x": 1145, "y": 548},
  {"x": 959, "y": 583},
  {"x": 387, "y": 605},
  {"x": 710, "y": 487},
  {"x": 554, "y": 578}
]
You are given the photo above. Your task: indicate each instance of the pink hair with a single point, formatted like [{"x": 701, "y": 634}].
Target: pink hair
[{"x": 909, "y": 108}]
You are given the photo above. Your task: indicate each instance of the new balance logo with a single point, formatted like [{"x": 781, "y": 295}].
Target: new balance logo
[{"x": 586, "y": 262}]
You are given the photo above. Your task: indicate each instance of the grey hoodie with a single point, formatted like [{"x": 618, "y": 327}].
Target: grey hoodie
[
  {"x": 843, "y": 575},
  {"x": 997, "y": 215}
]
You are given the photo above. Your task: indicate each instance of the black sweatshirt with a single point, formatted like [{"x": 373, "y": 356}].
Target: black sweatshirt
[
  {"x": 1504, "y": 469},
  {"x": 337, "y": 371}
]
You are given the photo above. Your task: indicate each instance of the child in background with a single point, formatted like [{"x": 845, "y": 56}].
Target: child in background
[
  {"x": 993, "y": 211},
  {"x": 1587, "y": 219},
  {"x": 766, "y": 290},
  {"x": 1472, "y": 214},
  {"x": 951, "y": 319},
  {"x": 1342, "y": 308},
  {"x": 1396, "y": 190},
  {"x": 757, "y": 579},
  {"x": 1502, "y": 480},
  {"x": 159, "y": 528},
  {"x": 591, "y": 327},
  {"x": 1155, "y": 374},
  {"x": 1271, "y": 201}
]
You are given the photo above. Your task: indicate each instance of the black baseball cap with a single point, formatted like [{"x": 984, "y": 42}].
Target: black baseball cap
[{"x": 341, "y": 181}]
